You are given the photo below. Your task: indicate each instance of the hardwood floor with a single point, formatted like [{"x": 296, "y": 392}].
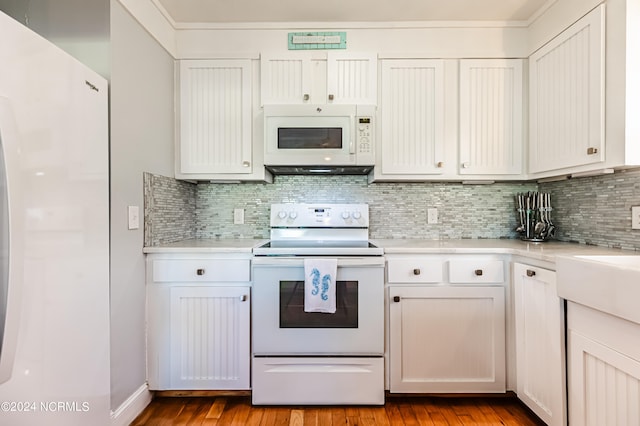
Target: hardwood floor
[{"x": 237, "y": 410}]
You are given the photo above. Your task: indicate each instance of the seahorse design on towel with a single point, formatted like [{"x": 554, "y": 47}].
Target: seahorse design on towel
[
  {"x": 326, "y": 280},
  {"x": 315, "y": 282}
]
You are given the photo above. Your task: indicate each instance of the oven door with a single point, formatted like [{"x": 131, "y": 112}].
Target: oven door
[{"x": 281, "y": 327}]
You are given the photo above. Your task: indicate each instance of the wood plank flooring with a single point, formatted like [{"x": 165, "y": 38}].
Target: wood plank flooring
[{"x": 398, "y": 411}]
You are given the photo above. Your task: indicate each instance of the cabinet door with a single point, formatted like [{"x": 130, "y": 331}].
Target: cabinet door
[
  {"x": 604, "y": 384},
  {"x": 286, "y": 79},
  {"x": 445, "y": 339},
  {"x": 539, "y": 317},
  {"x": 209, "y": 337},
  {"x": 352, "y": 79},
  {"x": 604, "y": 368},
  {"x": 412, "y": 117},
  {"x": 567, "y": 97},
  {"x": 215, "y": 116},
  {"x": 491, "y": 116}
]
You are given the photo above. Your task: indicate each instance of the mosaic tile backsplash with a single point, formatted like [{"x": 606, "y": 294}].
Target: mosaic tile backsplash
[
  {"x": 597, "y": 210},
  {"x": 397, "y": 210},
  {"x": 593, "y": 210},
  {"x": 169, "y": 210}
]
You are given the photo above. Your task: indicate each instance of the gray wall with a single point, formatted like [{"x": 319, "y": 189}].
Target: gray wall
[
  {"x": 142, "y": 92},
  {"x": 80, "y": 27}
]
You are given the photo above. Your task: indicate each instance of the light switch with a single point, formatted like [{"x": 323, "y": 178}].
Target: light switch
[{"x": 134, "y": 217}]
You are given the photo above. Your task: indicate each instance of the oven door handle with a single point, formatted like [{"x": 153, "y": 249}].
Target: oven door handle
[{"x": 296, "y": 262}]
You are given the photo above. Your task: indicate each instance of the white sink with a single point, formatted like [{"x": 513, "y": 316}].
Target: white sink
[
  {"x": 609, "y": 283},
  {"x": 629, "y": 261}
]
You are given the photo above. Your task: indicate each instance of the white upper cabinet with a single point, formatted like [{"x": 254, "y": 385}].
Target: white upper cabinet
[
  {"x": 352, "y": 79},
  {"x": 567, "y": 98},
  {"x": 215, "y": 117},
  {"x": 491, "y": 137},
  {"x": 318, "y": 78},
  {"x": 220, "y": 134},
  {"x": 411, "y": 111}
]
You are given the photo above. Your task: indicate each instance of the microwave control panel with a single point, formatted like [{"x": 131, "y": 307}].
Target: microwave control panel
[{"x": 365, "y": 134}]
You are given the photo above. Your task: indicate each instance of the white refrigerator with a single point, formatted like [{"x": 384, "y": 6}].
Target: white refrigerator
[{"x": 54, "y": 235}]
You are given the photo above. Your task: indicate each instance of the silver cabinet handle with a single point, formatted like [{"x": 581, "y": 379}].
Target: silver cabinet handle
[
  {"x": 465, "y": 165},
  {"x": 416, "y": 271},
  {"x": 243, "y": 298},
  {"x": 331, "y": 97},
  {"x": 440, "y": 164},
  {"x": 305, "y": 97},
  {"x": 592, "y": 151},
  {"x": 200, "y": 271},
  {"x": 531, "y": 273}
]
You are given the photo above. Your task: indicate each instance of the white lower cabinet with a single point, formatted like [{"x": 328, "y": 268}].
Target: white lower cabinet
[
  {"x": 603, "y": 367},
  {"x": 540, "y": 343},
  {"x": 198, "y": 323},
  {"x": 446, "y": 337}
]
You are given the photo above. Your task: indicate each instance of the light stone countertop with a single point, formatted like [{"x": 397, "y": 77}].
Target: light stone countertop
[
  {"x": 223, "y": 245},
  {"x": 546, "y": 251}
]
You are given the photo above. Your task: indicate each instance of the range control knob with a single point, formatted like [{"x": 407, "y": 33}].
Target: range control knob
[
  {"x": 282, "y": 215},
  {"x": 346, "y": 215},
  {"x": 356, "y": 215},
  {"x": 293, "y": 215}
]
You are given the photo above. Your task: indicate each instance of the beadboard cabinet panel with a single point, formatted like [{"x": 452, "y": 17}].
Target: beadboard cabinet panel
[
  {"x": 209, "y": 337},
  {"x": 285, "y": 79},
  {"x": 352, "y": 78},
  {"x": 540, "y": 337},
  {"x": 491, "y": 105},
  {"x": 412, "y": 117},
  {"x": 567, "y": 98},
  {"x": 215, "y": 117},
  {"x": 604, "y": 368},
  {"x": 319, "y": 78}
]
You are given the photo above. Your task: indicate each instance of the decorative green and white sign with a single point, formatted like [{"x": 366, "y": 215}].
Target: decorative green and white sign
[{"x": 317, "y": 40}]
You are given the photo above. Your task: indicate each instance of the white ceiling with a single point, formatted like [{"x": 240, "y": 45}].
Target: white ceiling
[{"x": 301, "y": 11}]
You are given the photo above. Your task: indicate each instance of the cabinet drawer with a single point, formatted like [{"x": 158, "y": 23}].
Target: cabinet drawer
[
  {"x": 415, "y": 270},
  {"x": 209, "y": 270},
  {"x": 476, "y": 271}
]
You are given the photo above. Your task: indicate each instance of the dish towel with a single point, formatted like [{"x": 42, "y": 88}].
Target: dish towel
[{"x": 320, "y": 285}]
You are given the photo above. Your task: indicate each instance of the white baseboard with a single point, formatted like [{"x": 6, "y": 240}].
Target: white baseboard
[{"x": 132, "y": 407}]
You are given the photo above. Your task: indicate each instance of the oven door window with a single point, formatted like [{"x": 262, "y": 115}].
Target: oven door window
[
  {"x": 309, "y": 138},
  {"x": 292, "y": 314}
]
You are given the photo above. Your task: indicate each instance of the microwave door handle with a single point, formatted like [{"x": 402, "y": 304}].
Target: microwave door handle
[{"x": 352, "y": 136}]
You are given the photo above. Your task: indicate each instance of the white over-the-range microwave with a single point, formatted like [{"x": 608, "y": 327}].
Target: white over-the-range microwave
[{"x": 319, "y": 138}]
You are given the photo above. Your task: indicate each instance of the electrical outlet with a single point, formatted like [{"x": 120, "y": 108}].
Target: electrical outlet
[
  {"x": 635, "y": 217},
  {"x": 432, "y": 216},
  {"x": 238, "y": 216}
]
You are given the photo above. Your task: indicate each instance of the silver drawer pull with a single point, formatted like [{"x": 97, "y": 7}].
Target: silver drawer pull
[
  {"x": 478, "y": 272},
  {"x": 200, "y": 271},
  {"x": 396, "y": 299},
  {"x": 531, "y": 273},
  {"x": 243, "y": 298},
  {"x": 416, "y": 271}
]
